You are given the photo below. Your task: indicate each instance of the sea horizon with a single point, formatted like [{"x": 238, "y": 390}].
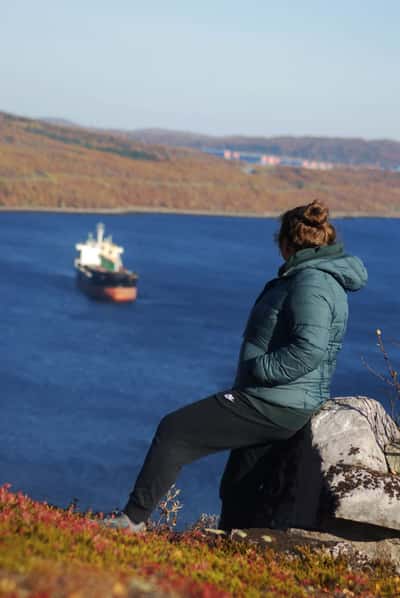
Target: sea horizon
[{"x": 336, "y": 214}]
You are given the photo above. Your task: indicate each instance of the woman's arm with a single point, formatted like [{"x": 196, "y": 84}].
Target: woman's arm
[{"x": 310, "y": 313}]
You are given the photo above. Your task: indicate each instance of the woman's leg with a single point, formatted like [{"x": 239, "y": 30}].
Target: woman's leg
[
  {"x": 241, "y": 483},
  {"x": 249, "y": 468},
  {"x": 214, "y": 424}
]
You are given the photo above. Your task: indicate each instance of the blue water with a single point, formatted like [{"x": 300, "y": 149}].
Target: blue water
[{"x": 84, "y": 384}]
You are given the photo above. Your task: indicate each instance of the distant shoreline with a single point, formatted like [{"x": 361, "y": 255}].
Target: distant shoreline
[{"x": 163, "y": 210}]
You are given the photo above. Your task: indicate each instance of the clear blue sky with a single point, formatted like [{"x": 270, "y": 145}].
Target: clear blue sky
[{"x": 211, "y": 66}]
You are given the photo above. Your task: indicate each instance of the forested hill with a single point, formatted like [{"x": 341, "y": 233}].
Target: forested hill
[
  {"x": 55, "y": 166},
  {"x": 382, "y": 153}
]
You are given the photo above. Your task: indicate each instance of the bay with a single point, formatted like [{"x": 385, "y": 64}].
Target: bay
[{"x": 84, "y": 384}]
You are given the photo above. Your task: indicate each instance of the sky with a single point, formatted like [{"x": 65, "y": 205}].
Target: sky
[{"x": 218, "y": 67}]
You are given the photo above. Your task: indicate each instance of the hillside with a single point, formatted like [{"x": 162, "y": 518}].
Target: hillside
[
  {"x": 47, "y": 552},
  {"x": 352, "y": 152},
  {"x": 44, "y": 165}
]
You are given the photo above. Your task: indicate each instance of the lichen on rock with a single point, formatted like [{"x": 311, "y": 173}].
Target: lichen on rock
[{"x": 335, "y": 469}]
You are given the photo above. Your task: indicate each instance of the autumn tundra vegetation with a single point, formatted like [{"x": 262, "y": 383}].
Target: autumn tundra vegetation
[
  {"x": 48, "y": 552},
  {"x": 49, "y": 166}
]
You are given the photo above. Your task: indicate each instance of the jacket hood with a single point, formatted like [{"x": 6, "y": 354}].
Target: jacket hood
[{"x": 348, "y": 270}]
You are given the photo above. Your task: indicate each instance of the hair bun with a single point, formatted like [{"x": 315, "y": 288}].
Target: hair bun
[
  {"x": 307, "y": 226},
  {"x": 316, "y": 213}
]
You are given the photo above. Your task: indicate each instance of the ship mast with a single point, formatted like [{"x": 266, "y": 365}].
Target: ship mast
[{"x": 100, "y": 233}]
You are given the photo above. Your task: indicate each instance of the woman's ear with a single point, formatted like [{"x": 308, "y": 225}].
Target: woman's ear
[{"x": 286, "y": 250}]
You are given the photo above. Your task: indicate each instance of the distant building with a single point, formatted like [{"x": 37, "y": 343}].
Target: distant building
[
  {"x": 269, "y": 160},
  {"x": 314, "y": 165}
]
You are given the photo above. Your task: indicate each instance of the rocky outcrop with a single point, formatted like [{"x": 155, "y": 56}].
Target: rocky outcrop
[
  {"x": 362, "y": 547},
  {"x": 335, "y": 473},
  {"x": 358, "y": 552}
]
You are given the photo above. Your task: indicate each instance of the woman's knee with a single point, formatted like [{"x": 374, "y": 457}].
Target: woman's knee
[{"x": 168, "y": 428}]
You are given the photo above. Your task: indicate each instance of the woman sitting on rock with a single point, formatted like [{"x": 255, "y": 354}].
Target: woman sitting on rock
[{"x": 287, "y": 358}]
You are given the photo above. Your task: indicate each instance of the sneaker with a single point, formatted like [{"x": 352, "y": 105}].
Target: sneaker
[{"x": 122, "y": 521}]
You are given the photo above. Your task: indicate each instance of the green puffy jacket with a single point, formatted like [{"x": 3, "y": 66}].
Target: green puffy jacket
[{"x": 296, "y": 328}]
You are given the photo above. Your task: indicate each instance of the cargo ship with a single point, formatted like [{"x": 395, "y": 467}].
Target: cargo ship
[{"x": 100, "y": 273}]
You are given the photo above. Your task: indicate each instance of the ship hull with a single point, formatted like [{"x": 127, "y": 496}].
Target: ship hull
[{"x": 120, "y": 287}]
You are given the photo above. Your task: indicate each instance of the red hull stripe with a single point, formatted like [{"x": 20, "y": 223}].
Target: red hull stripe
[{"x": 117, "y": 294}]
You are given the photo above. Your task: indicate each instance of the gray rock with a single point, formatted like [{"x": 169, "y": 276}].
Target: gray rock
[
  {"x": 334, "y": 470},
  {"x": 359, "y": 551},
  {"x": 392, "y": 454},
  {"x": 354, "y": 431},
  {"x": 366, "y": 496},
  {"x": 362, "y": 545}
]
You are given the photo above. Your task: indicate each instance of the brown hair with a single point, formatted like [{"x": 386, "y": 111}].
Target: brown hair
[{"x": 307, "y": 226}]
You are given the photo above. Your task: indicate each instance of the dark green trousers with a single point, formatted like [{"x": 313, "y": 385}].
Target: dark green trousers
[{"x": 222, "y": 421}]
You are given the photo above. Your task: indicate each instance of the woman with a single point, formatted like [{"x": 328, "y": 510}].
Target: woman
[{"x": 287, "y": 358}]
